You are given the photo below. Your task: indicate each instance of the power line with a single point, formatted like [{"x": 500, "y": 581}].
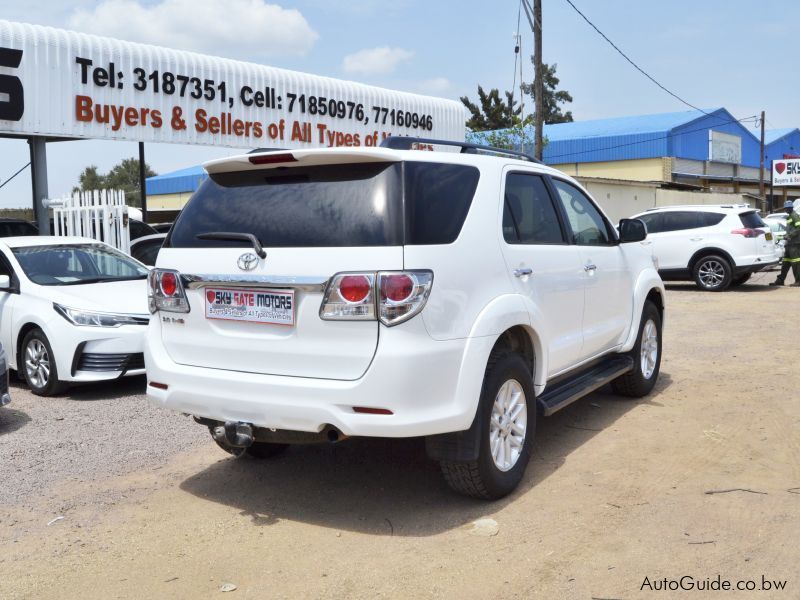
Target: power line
[
  {"x": 14, "y": 175},
  {"x": 647, "y": 141},
  {"x": 637, "y": 67}
]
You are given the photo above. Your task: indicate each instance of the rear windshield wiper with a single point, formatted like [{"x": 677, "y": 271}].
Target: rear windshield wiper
[{"x": 231, "y": 235}]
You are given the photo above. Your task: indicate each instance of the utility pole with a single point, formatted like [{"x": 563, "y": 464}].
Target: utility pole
[
  {"x": 761, "y": 166},
  {"x": 538, "y": 82}
]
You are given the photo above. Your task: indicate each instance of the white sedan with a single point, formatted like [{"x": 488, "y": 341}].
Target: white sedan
[{"x": 71, "y": 310}]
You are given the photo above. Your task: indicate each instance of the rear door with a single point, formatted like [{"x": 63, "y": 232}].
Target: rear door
[
  {"x": 680, "y": 234},
  {"x": 543, "y": 266},
  {"x": 312, "y": 222}
]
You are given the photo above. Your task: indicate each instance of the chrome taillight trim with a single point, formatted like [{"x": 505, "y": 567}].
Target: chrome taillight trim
[{"x": 306, "y": 284}]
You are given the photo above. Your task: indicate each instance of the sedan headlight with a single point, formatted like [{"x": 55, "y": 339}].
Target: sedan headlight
[{"x": 98, "y": 319}]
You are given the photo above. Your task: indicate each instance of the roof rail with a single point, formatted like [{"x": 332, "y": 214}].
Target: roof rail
[
  {"x": 406, "y": 143},
  {"x": 698, "y": 206}
]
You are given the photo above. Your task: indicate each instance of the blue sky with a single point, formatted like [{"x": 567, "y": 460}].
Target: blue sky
[{"x": 729, "y": 53}]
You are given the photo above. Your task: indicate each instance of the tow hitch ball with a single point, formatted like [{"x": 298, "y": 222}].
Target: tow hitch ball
[{"x": 234, "y": 434}]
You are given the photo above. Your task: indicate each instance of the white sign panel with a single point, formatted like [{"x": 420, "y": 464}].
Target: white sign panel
[
  {"x": 724, "y": 147},
  {"x": 66, "y": 84},
  {"x": 786, "y": 172}
]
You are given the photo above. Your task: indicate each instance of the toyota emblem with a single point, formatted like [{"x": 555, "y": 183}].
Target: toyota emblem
[{"x": 247, "y": 261}]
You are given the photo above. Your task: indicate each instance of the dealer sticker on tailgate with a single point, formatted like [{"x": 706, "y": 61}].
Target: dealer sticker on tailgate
[{"x": 256, "y": 306}]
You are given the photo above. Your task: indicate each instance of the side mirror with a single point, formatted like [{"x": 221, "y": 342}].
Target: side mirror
[
  {"x": 5, "y": 282},
  {"x": 632, "y": 230}
]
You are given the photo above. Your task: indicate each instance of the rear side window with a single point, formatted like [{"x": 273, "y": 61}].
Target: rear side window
[
  {"x": 752, "y": 220},
  {"x": 529, "y": 216},
  {"x": 710, "y": 219},
  {"x": 360, "y": 204},
  {"x": 438, "y": 197}
]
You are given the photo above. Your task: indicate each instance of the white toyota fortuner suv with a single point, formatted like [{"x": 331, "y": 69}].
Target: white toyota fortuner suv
[{"x": 311, "y": 295}]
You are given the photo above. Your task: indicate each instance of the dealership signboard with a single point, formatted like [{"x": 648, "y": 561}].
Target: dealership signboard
[
  {"x": 57, "y": 83},
  {"x": 786, "y": 172}
]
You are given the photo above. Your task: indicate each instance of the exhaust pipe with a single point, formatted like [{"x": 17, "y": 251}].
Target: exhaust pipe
[
  {"x": 334, "y": 435},
  {"x": 234, "y": 434}
]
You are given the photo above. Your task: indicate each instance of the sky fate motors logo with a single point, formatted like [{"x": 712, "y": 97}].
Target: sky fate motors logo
[{"x": 786, "y": 172}]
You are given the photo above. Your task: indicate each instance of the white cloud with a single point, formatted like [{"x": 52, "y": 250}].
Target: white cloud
[
  {"x": 234, "y": 28},
  {"x": 438, "y": 86},
  {"x": 375, "y": 61}
]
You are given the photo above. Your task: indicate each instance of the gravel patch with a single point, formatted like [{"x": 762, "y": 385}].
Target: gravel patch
[{"x": 91, "y": 432}]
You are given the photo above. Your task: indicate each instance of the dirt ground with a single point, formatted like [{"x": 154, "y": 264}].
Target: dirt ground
[{"x": 617, "y": 492}]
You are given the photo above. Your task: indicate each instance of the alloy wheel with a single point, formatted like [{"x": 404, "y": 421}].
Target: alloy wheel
[
  {"x": 711, "y": 273},
  {"x": 649, "y": 349},
  {"x": 508, "y": 425},
  {"x": 37, "y": 363}
]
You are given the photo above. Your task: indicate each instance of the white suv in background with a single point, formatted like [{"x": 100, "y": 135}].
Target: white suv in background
[
  {"x": 715, "y": 246},
  {"x": 310, "y": 295}
]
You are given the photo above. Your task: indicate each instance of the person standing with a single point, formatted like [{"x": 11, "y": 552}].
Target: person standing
[
  {"x": 787, "y": 263},
  {"x": 793, "y": 242}
]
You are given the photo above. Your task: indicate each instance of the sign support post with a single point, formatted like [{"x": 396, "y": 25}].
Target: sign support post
[
  {"x": 38, "y": 147},
  {"x": 142, "y": 185}
]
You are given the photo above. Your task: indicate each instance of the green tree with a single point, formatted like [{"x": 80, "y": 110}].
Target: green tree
[
  {"x": 493, "y": 113},
  {"x": 553, "y": 97},
  {"x": 122, "y": 176}
]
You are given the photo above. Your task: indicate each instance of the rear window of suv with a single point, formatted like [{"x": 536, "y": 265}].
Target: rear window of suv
[
  {"x": 361, "y": 204},
  {"x": 752, "y": 220}
]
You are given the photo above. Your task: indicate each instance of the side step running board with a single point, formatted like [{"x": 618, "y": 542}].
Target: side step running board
[{"x": 559, "y": 395}]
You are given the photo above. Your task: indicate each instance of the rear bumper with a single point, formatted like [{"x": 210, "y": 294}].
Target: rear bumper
[
  {"x": 411, "y": 375},
  {"x": 758, "y": 265}
]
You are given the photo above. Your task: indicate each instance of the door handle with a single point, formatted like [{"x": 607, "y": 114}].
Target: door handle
[
  {"x": 522, "y": 272},
  {"x": 588, "y": 268},
  {"x": 696, "y": 239}
]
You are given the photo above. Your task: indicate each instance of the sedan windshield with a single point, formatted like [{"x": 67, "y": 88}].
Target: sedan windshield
[{"x": 72, "y": 264}]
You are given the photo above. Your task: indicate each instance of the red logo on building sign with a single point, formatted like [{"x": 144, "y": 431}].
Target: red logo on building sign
[{"x": 780, "y": 167}]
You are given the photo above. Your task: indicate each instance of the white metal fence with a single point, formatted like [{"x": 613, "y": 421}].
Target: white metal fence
[{"x": 97, "y": 214}]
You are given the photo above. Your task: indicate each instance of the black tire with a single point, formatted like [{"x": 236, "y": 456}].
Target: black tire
[
  {"x": 713, "y": 273},
  {"x": 258, "y": 450},
  {"x": 36, "y": 380},
  {"x": 483, "y": 478},
  {"x": 741, "y": 279},
  {"x": 636, "y": 383}
]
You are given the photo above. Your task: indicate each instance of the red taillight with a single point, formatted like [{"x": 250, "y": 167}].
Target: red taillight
[
  {"x": 159, "y": 386},
  {"x": 169, "y": 283},
  {"x": 354, "y": 288},
  {"x": 748, "y": 232},
  {"x": 396, "y": 288},
  {"x": 266, "y": 159}
]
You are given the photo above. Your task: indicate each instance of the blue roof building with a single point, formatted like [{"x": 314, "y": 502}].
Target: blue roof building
[
  {"x": 169, "y": 192},
  {"x": 706, "y": 148},
  {"x": 685, "y": 134},
  {"x": 781, "y": 143}
]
